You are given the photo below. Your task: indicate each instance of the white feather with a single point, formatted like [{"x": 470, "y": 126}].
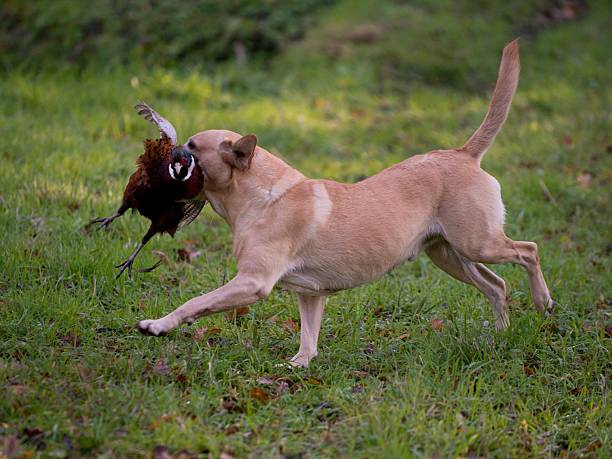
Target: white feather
[{"x": 165, "y": 127}]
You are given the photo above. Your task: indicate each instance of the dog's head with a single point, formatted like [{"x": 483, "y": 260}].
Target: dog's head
[{"x": 220, "y": 153}]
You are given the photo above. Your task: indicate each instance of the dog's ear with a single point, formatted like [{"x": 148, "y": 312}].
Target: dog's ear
[{"x": 239, "y": 154}]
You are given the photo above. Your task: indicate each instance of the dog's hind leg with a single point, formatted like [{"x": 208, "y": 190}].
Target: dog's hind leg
[
  {"x": 311, "y": 312},
  {"x": 502, "y": 249},
  {"x": 492, "y": 286}
]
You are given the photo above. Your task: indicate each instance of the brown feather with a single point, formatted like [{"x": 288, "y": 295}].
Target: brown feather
[{"x": 151, "y": 191}]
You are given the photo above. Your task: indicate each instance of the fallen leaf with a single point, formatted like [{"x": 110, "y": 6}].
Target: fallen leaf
[
  {"x": 366, "y": 33},
  {"x": 35, "y": 436},
  {"x": 204, "y": 333},
  {"x": 265, "y": 380},
  {"x": 437, "y": 324},
  {"x": 188, "y": 253},
  {"x": 162, "y": 256},
  {"x": 231, "y": 405},
  {"x": 608, "y": 331},
  {"x": 289, "y": 325},
  {"x": 232, "y": 429},
  {"x": 385, "y": 332},
  {"x": 237, "y": 313},
  {"x": 34, "y": 432},
  {"x": 593, "y": 446},
  {"x": 584, "y": 180},
  {"x": 69, "y": 339},
  {"x": 259, "y": 394},
  {"x": 179, "y": 376},
  {"x": 359, "y": 373},
  {"x": 314, "y": 381},
  {"x": 17, "y": 389},
  {"x": 567, "y": 140},
  {"x": 161, "y": 368},
  {"x": 403, "y": 336},
  {"x": 38, "y": 222},
  {"x": 160, "y": 452},
  {"x": 528, "y": 370},
  {"x": 283, "y": 387}
]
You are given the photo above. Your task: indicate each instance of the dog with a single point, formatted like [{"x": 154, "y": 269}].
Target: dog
[{"x": 317, "y": 237}]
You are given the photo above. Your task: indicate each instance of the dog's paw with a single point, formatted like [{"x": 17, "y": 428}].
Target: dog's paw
[
  {"x": 151, "y": 327},
  {"x": 299, "y": 361},
  {"x": 550, "y": 308},
  {"x": 502, "y": 323}
]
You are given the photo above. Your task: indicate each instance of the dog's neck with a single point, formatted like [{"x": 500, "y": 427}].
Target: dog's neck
[{"x": 266, "y": 181}]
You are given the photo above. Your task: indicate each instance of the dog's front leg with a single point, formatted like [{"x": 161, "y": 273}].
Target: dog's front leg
[
  {"x": 242, "y": 290},
  {"x": 311, "y": 312}
]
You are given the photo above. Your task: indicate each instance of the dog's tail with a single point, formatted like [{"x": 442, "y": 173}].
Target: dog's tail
[{"x": 507, "y": 80}]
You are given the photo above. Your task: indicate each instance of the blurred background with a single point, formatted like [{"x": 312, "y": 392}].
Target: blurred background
[{"x": 340, "y": 89}]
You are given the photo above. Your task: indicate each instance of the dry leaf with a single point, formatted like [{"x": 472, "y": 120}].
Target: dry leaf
[
  {"x": 237, "y": 313},
  {"x": 593, "y": 446},
  {"x": 232, "y": 429},
  {"x": 265, "y": 380},
  {"x": 160, "y": 452},
  {"x": 231, "y": 405},
  {"x": 289, "y": 325},
  {"x": 366, "y": 33},
  {"x": 161, "y": 368},
  {"x": 259, "y": 394},
  {"x": 608, "y": 331},
  {"x": 17, "y": 389},
  {"x": 359, "y": 373},
  {"x": 204, "y": 333},
  {"x": 437, "y": 324},
  {"x": 162, "y": 256},
  {"x": 69, "y": 339},
  {"x": 188, "y": 253},
  {"x": 584, "y": 180}
]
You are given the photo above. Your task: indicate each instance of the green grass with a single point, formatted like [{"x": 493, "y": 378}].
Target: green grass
[{"x": 76, "y": 378}]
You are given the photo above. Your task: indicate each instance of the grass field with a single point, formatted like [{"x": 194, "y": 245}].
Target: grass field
[{"x": 407, "y": 365}]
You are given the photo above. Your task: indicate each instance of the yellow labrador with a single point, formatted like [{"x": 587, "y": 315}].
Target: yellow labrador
[{"x": 317, "y": 237}]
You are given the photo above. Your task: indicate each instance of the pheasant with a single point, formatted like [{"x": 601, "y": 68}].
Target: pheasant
[{"x": 165, "y": 188}]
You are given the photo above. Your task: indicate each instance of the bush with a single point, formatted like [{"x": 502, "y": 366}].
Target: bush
[{"x": 151, "y": 32}]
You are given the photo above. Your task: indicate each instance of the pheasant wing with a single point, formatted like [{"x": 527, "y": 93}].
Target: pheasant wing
[
  {"x": 165, "y": 127},
  {"x": 191, "y": 210}
]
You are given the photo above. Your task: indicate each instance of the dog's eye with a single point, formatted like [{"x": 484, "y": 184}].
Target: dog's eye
[{"x": 191, "y": 145}]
